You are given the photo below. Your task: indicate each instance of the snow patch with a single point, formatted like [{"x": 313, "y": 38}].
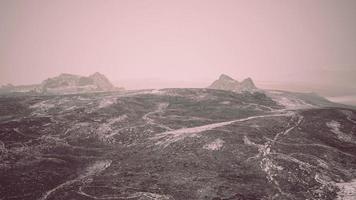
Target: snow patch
[
  {"x": 335, "y": 128},
  {"x": 107, "y": 102},
  {"x": 96, "y": 168},
  {"x": 225, "y": 102},
  {"x": 42, "y": 107},
  {"x": 347, "y": 190},
  {"x": 292, "y": 103},
  {"x": 215, "y": 145},
  {"x": 70, "y": 108},
  {"x": 169, "y": 137},
  {"x": 149, "y": 195},
  {"x": 159, "y": 92},
  {"x": 349, "y": 115},
  {"x": 106, "y": 131},
  {"x": 275, "y": 92}
]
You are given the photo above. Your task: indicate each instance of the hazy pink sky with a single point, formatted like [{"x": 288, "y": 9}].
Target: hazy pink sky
[{"x": 189, "y": 41}]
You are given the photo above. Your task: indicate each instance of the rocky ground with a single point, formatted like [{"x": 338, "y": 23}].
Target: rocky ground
[{"x": 177, "y": 144}]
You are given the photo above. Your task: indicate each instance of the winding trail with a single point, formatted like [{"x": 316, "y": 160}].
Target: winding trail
[
  {"x": 90, "y": 171},
  {"x": 349, "y": 116},
  {"x": 160, "y": 108}
]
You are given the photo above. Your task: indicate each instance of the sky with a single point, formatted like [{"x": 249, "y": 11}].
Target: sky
[{"x": 182, "y": 43}]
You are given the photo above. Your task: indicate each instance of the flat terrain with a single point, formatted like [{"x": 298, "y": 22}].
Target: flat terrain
[{"x": 180, "y": 144}]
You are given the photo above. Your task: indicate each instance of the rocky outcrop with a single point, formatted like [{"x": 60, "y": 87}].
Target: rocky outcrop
[
  {"x": 65, "y": 84},
  {"x": 225, "y": 82}
]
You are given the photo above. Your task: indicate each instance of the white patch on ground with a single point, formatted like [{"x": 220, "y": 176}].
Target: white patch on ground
[
  {"x": 169, "y": 137},
  {"x": 347, "y": 190},
  {"x": 42, "y": 107},
  {"x": 70, "y": 108},
  {"x": 136, "y": 195},
  {"x": 335, "y": 128},
  {"x": 275, "y": 92},
  {"x": 200, "y": 97},
  {"x": 349, "y": 115},
  {"x": 80, "y": 98},
  {"x": 259, "y": 107},
  {"x": 117, "y": 119},
  {"x": 146, "y": 91},
  {"x": 322, "y": 163},
  {"x": 159, "y": 92},
  {"x": 96, "y": 168},
  {"x": 149, "y": 195},
  {"x": 215, "y": 145},
  {"x": 256, "y": 126},
  {"x": 291, "y": 103},
  {"x": 2, "y": 146},
  {"x": 107, "y": 101},
  {"x": 225, "y": 102},
  {"x": 107, "y": 130},
  {"x": 250, "y": 143}
]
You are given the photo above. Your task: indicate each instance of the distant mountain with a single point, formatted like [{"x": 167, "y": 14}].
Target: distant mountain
[
  {"x": 101, "y": 81},
  {"x": 65, "y": 84},
  {"x": 225, "y": 82},
  {"x": 289, "y": 100}
]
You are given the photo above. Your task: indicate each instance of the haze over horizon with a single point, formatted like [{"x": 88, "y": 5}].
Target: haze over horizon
[{"x": 299, "y": 45}]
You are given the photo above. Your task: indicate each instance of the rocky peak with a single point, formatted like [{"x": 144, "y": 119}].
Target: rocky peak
[
  {"x": 101, "y": 81},
  {"x": 69, "y": 83},
  {"x": 97, "y": 74},
  {"x": 224, "y": 77},
  {"x": 225, "y": 82},
  {"x": 248, "y": 82}
]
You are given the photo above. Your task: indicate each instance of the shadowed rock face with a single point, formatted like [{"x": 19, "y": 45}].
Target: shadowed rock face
[
  {"x": 227, "y": 83},
  {"x": 175, "y": 144}
]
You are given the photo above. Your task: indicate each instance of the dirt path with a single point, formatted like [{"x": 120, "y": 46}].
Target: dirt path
[
  {"x": 160, "y": 109},
  {"x": 166, "y": 138},
  {"x": 90, "y": 171}
]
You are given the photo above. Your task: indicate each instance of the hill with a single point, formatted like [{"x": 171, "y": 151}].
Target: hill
[{"x": 174, "y": 144}]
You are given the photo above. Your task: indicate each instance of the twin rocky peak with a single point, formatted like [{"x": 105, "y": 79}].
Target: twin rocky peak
[
  {"x": 71, "y": 84},
  {"x": 225, "y": 82}
]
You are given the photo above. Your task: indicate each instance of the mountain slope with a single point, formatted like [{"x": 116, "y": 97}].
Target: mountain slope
[{"x": 174, "y": 144}]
